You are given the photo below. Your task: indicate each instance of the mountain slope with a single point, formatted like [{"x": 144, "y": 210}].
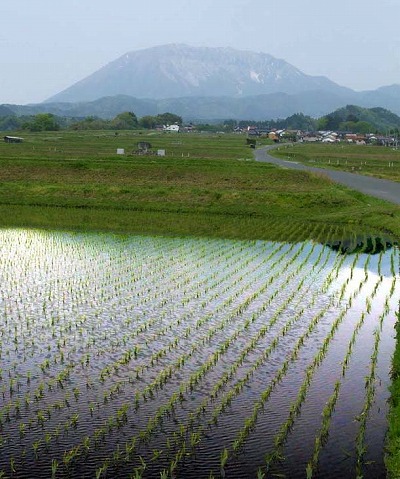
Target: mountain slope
[{"x": 173, "y": 71}]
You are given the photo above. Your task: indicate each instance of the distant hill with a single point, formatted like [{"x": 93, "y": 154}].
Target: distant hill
[
  {"x": 5, "y": 111},
  {"x": 176, "y": 70},
  {"x": 364, "y": 120},
  {"x": 106, "y": 107},
  {"x": 261, "y": 107}
]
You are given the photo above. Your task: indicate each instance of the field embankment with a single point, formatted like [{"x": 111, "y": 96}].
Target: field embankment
[{"x": 205, "y": 185}]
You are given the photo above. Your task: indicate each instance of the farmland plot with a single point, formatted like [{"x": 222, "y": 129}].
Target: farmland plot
[{"x": 127, "y": 356}]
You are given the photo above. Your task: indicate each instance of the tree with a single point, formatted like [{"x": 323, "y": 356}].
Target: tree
[
  {"x": 229, "y": 125},
  {"x": 42, "y": 122},
  {"x": 10, "y": 123},
  {"x": 168, "y": 119},
  {"x": 125, "y": 121},
  {"x": 148, "y": 122},
  {"x": 91, "y": 123}
]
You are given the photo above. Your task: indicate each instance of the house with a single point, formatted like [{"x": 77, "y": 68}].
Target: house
[
  {"x": 253, "y": 132},
  {"x": 13, "y": 139},
  {"x": 273, "y": 136},
  {"x": 173, "y": 128},
  {"x": 188, "y": 128}
]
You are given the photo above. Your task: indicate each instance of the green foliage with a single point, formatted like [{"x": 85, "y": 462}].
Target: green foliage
[
  {"x": 298, "y": 121},
  {"x": 125, "y": 121},
  {"x": 168, "y": 119},
  {"x": 362, "y": 127},
  {"x": 42, "y": 122},
  {"x": 91, "y": 123},
  {"x": 360, "y": 120},
  {"x": 149, "y": 122},
  {"x": 10, "y": 123}
]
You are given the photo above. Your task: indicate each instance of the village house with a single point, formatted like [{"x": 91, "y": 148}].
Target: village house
[{"x": 172, "y": 128}]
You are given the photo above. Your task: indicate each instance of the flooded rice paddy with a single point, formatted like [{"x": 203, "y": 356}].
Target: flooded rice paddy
[{"x": 151, "y": 357}]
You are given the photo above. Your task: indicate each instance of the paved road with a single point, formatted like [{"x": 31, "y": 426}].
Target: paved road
[{"x": 384, "y": 189}]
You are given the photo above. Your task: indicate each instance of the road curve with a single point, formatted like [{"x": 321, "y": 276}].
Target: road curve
[{"x": 383, "y": 189}]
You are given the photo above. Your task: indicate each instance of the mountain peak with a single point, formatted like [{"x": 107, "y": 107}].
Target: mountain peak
[{"x": 179, "y": 70}]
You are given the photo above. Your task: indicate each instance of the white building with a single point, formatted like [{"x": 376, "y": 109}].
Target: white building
[{"x": 174, "y": 128}]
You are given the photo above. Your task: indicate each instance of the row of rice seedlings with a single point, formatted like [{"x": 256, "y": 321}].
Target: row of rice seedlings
[
  {"x": 327, "y": 412},
  {"x": 370, "y": 388},
  {"x": 250, "y": 422},
  {"x": 322, "y": 436},
  {"x": 295, "y": 408},
  {"x": 181, "y": 451},
  {"x": 189, "y": 329},
  {"x": 210, "y": 363},
  {"x": 45, "y": 365},
  {"x": 230, "y": 395},
  {"x": 211, "y": 332},
  {"x": 202, "y": 321},
  {"x": 238, "y": 387}
]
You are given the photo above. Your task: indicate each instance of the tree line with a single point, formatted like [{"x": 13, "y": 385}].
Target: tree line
[
  {"x": 123, "y": 121},
  {"x": 352, "y": 119}
]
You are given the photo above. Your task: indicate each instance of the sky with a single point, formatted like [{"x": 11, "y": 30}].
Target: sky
[{"x": 47, "y": 45}]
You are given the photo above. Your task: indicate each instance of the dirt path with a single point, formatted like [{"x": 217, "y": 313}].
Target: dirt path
[{"x": 383, "y": 189}]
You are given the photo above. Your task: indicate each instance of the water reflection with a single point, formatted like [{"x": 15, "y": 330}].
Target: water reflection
[{"x": 367, "y": 245}]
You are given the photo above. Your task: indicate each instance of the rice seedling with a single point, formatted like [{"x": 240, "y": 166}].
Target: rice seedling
[
  {"x": 54, "y": 468},
  {"x": 176, "y": 329}
]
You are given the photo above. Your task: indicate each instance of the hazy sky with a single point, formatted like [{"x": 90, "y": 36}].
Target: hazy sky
[{"x": 47, "y": 45}]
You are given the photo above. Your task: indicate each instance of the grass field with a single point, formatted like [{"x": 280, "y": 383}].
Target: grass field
[
  {"x": 206, "y": 185},
  {"x": 378, "y": 161}
]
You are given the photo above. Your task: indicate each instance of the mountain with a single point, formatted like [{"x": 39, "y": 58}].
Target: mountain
[
  {"x": 176, "y": 70},
  {"x": 386, "y": 97},
  {"x": 205, "y": 84}
]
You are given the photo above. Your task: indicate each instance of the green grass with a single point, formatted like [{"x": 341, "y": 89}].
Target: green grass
[
  {"x": 363, "y": 159},
  {"x": 206, "y": 185}
]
